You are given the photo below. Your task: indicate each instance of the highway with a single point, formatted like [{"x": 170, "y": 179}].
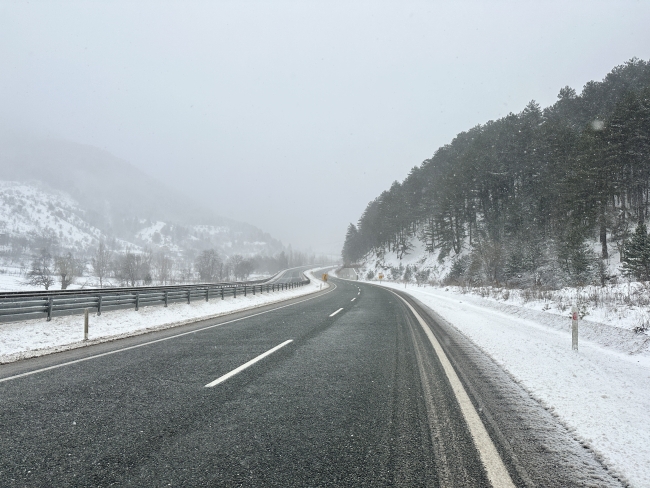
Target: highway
[
  {"x": 351, "y": 386},
  {"x": 290, "y": 275}
]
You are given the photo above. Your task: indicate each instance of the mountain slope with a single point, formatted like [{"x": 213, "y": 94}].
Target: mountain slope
[
  {"x": 546, "y": 197},
  {"x": 73, "y": 195}
]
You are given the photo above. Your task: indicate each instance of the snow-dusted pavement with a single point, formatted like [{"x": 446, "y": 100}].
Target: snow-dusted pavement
[
  {"x": 30, "y": 338},
  {"x": 602, "y": 395}
]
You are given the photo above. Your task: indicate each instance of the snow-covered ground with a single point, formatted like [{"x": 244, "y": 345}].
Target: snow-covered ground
[
  {"x": 30, "y": 338},
  {"x": 11, "y": 280},
  {"x": 623, "y": 305},
  {"x": 601, "y": 393}
]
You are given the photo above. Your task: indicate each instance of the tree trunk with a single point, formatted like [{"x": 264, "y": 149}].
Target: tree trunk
[
  {"x": 603, "y": 232},
  {"x": 603, "y": 240}
]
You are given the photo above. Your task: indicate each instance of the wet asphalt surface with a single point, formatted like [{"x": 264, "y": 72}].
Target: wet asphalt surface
[{"x": 357, "y": 399}]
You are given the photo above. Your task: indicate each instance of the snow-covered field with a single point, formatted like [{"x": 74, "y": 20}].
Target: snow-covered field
[
  {"x": 601, "y": 393},
  {"x": 30, "y": 338},
  {"x": 12, "y": 280}
]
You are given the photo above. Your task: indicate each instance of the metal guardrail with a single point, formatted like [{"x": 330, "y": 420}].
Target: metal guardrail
[{"x": 30, "y": 305}]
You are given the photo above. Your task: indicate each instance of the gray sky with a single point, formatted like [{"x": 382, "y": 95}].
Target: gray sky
[{"x": 294, "y": 115}]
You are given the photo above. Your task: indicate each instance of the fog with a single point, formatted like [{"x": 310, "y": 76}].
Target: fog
[{"x": 292, "y": 116}]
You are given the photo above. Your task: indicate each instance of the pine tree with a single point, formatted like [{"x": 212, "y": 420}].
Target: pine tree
[
  {"x": 636, "y": 261},
  {"x": 351, "y": 250}
]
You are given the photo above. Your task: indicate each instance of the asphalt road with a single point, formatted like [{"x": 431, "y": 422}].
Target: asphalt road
[
  {"x": 358, "y": 398},
  {"x": 291, "y": 275}
]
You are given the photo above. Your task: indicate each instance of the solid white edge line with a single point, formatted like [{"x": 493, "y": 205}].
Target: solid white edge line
[
  {"x": 241, "y": 368},
  {"x": 494, "y": 467},
  {"x": 332, "y": 315},
  {"x": 28, "y": 373}
]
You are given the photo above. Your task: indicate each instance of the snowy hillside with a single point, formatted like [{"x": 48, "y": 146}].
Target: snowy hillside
[
  {"x": 37, "y": 214},
  {"x": 224, "y": 239},
  {"x": 621, "y": 302},
  {"x": 114, "y": 198}
]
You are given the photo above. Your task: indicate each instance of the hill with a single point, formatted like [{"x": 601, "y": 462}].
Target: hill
[
  {"x": 545, "y": 197},
  {"x": 60, "y": 197},
  {"x": 116, "y": 197}
]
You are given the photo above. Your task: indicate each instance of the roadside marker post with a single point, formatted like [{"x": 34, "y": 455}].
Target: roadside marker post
[
  {"x": 574, "y": 328},
  {"x": 85, "y": 324}
]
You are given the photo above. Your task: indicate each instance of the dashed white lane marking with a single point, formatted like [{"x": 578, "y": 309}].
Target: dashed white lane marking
[
  {"x": 332, "y": 315},
  {"x": 353, "y": 299},
  {"x": 226, "y": 376},
  {"x": 494, "y": 467}
]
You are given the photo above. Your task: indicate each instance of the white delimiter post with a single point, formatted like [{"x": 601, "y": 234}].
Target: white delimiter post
[
  {"x": 85, "y": 324},
  {"x": 574, "y": 328}
]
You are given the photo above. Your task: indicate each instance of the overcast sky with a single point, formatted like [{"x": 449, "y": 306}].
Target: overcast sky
[{"x": 294, "y": 115}]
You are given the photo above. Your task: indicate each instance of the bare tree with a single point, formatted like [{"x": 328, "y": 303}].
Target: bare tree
[
  {"x": 163, "y": 266},
  {"x": 245, "y": 268},
  {"x": 101, "y": 262},
  {"x": 40, "y": 271},
  {"x": 67, "y": 268},
  {"x": 209, "y": 266},
  {"x": 233, "y": 264},
  {"x": 145, "y": 263},
  {"x": 240, "y": 267},
  {"x": 128, "y": 269},
  {"x": 186, "y": 272}
]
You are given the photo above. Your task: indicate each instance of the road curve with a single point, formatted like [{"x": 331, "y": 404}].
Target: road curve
[{"x": 341, "y": 388}]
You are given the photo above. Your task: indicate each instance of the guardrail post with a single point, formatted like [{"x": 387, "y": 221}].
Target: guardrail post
[
  {"x": 244, "y": 290},
  {"x": 207, "y": 293},
  {"x": 50, "y": 304},
  {"x": 235, "y": 292},
  {"x": 85, "y": 324},
  {"x": 222, "y": 292},
  {"x": 99, "y": 305},
  {"x": 166, "y": 297},
  {"x": 253, "y": 289},
  {"x": 137, "y": 301},
  {"x": 188, "y": 296}
]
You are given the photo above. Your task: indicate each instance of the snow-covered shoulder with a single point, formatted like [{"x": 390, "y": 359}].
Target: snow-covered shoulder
[
  {"x": 31, "y": 338},
  {"x": 600, "y": 393}
]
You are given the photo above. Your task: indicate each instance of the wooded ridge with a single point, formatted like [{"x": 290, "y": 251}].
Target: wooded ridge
[{"x": 543, "y": 197}]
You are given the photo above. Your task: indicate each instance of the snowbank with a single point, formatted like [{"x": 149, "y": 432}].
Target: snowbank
[
  {"x": 600, "y": 393},
  {"x": 30, "y": 338}
]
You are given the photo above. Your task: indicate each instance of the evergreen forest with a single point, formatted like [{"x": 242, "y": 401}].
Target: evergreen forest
[{"x": 547, "y": 197}]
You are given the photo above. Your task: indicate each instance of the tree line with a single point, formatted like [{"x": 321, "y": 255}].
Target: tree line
[
  {"x": 542, "y": 197},
  {"x": 134, "y": 268}
]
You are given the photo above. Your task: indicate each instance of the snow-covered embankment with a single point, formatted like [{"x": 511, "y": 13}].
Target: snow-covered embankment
[
  {"x": 30, "y": 338},
  {"x": 600, "y": 393}
]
